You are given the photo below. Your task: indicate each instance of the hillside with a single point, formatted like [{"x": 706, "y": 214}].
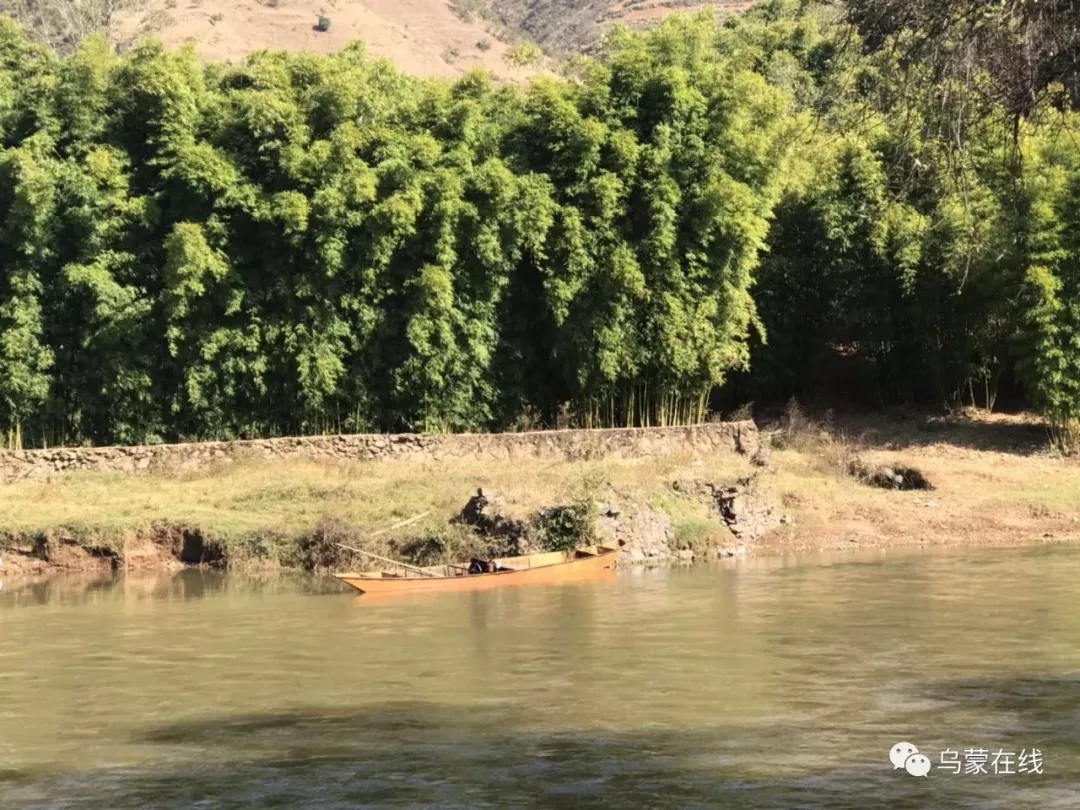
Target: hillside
[
  {"x": 422, "y": 37},
  {"x": 566, "y": 26}
]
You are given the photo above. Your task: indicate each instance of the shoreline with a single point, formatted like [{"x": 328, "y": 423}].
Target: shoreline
[
  {"x": 18, "y": 568},
  {"x": 992, "y": 483},
  {"x": 177, "y": 579}
]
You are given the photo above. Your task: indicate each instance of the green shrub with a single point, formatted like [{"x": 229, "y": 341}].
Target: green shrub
[
  {"x": 698, "y": 533},
  {"x": 524, "y": 54},
  {"x": 561, "y": 528}
]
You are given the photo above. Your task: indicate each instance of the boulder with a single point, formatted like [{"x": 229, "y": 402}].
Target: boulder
[
  {"x": 762, "y": 458},
  {"x": 643, "y": 533},
  {"x": 745, "y": 508},
  {"x": 485, "y": 512},
  {"x": 885, "y": 477}
]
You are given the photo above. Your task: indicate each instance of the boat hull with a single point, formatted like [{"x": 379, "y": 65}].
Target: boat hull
[{"x": 578, "y": 568}]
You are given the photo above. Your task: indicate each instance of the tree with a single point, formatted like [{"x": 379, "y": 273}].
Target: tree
[
  {"x": 64, "y": 24},
  {"x": 27, "y": 210}
]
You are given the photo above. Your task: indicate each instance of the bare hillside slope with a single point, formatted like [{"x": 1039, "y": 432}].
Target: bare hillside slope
[
  {"x": 423, "y": 37},
  {"x": 568, "y": 26}
]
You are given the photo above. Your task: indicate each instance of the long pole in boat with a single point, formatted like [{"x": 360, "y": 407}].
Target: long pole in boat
[
  {"x": 398, "y": 525},
  {"x": 406, "y": 566}
]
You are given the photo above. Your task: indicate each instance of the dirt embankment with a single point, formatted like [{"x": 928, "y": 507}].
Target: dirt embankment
[
  {"x": 163, "y": 547},
  {"x": 812, "y": 486},
  {"x": 488, "y": 525}
]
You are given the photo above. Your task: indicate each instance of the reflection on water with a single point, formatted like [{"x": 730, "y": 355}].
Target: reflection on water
[
  {"x": 765, "y": 684},
  {"x": 186, "y": 584}
]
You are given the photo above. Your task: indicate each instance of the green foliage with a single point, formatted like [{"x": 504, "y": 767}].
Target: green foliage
[
  {"x": 1050, "y": 291},
  {"x": 303, "y": 244},
  {"x": 562, "y": 528},
  {"x": 323, "y": 23},
  {"x": 934, "y": 262},
  {"x": 483, "y": 44},
  {"x": 524, "y": 54}
]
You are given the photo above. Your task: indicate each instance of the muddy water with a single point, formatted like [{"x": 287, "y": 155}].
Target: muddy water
[{"x": 765, "y": 685}]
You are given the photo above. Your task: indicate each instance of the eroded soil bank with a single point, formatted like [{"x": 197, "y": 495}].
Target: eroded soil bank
[
  {"x": 727, "y": 520},
  {"x": 975, "y": 480}
]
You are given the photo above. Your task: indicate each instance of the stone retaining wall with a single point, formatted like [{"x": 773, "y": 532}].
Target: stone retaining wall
[{"x": 555, "y": 444}]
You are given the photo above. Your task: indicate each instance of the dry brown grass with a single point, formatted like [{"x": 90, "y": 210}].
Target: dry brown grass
[
  {"x": 412, "y": 34},
  {"x": 415, "y": 35},
  {"x": 997, "y": 483},
  {"x": 992, "y": 487},
  {"x": 262, "y": 510},
  {"x": 292, "y": 496}
]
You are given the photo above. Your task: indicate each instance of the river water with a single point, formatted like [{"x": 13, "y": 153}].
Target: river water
[{"x": 763, "y": 684}]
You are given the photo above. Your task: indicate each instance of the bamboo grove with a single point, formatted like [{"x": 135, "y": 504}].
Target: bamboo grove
[{"x": 301, "y": 244}]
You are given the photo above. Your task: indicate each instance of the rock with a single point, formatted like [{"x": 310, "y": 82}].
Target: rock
[
  {"x": 898, "y": 478},
  {"x": 762, "y": 458},
  {"x": 562, "y": 444},
  {"x": 693, "y": 487},
  {"x": 485, "y": 513},
  {"x": 644, "y": 535},
  {"x": 746, "y": 438},
  {"x": 746, "y": 509},
  {"x": 737, "y": 551},
  {"x": 685, "y": 554}
]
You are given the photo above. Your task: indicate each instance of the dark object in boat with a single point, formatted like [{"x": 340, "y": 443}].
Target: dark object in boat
[{"x": 479, "y": 566}]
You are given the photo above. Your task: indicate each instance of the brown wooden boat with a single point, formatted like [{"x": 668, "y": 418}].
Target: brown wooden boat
[{"x": 549, "y": 566}]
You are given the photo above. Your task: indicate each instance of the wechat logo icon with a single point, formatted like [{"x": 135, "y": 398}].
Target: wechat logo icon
[{"x": 905, "y": 755}]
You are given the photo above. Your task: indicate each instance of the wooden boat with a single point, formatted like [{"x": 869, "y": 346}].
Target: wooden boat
[{"x": 550, "y": 566}]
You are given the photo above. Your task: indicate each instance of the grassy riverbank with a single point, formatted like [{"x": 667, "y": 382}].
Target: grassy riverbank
[{"x": 995, "y": 483}]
